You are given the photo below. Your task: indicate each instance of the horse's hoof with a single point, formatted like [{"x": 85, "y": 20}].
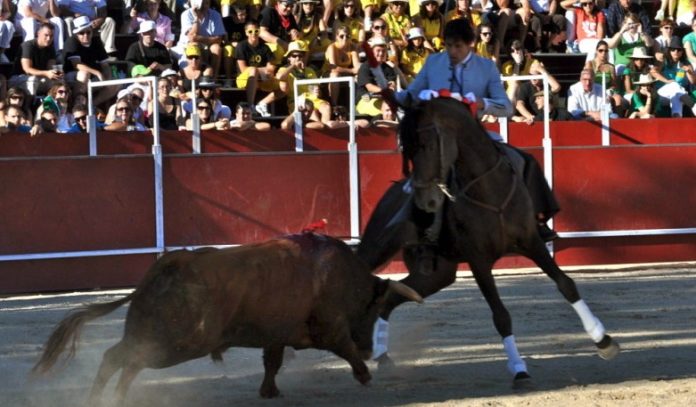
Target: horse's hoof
[
  {"x": 522, "y": 381},
  {"x": 608, "y": 348},
  {"x": 384, "y": 363}
]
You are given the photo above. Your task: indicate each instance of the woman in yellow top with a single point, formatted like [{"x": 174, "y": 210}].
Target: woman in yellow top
[
  {"x": 398, "y": 22},
  {"x": 464, "y": 10},
  {"x": 348, "y": 14},
  {"x": 487, "y": 45},
  {"x": 341, "y": 59},
  {"x": 432, "y": 22},
  {"x": 313, "y": 30},
  {"x": 414, "y": 55}
]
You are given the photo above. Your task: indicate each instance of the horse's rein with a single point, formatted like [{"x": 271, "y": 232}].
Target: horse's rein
[{"x": 443, "y": 171}]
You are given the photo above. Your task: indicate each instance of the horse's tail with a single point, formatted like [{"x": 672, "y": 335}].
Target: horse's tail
[{"x": 67, "y": 332}]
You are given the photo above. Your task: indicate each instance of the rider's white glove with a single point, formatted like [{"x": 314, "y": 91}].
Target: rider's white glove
[{"x": 427, "y": 94}]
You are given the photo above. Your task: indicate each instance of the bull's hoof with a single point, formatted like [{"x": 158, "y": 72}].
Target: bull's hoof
[
  {"x": 384, "y": 363},
  {"x": 363, "y": 378},
  {"x": 522, "y": 382},
  {"x": 608, "y": 348}
]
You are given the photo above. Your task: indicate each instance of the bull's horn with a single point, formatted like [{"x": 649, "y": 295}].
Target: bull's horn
[{"x": 406, "y": 291}]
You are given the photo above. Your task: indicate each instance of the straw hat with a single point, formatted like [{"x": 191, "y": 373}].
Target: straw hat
[
  {"x": 640, "y": 53},
  {"x": 80, "y": 24},
  {"x": 415, "y": 32},
  {"x": 421, "y": 2},
  {"x": 644, "y": 79},
  {"x": 377, "y": 42},
  {"x": 296, "y": 46}
]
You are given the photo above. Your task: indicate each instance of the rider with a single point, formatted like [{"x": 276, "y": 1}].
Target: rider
[{"x": 460, "y": 70}]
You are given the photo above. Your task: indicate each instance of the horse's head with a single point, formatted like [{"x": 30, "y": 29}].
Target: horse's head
[{"x": 429, "y": 142}]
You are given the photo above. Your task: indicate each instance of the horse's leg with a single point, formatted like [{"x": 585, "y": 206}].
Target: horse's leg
[
  {"x": 607, "y": 348},
  {"x": 127, "y": 375},
  {"x": 112, "y": 361},
  {"x": 483, "y": 275},
  {"x": 444, "y": 275}
]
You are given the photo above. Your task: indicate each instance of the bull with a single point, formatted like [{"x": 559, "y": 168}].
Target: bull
[{"x": 302, "y": 291}]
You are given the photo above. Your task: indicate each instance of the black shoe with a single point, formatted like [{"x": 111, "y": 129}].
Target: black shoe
[{"x": 547, "y": 234}]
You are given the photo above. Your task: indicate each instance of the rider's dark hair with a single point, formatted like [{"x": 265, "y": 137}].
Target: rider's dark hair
[{"x": 459, "y": 30}]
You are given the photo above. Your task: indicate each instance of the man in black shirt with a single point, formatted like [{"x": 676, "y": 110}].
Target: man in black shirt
[
  {"x": 86, "y": 60},
  {"x": 367, "y": 84},
  {"x": 148, "y": 52},
  {"x": 35, "y": 69},
  {"x": 278, "y": 27}
]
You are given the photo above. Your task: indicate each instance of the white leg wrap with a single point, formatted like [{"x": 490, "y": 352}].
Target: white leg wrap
[
  {"x": 515, "y": 363},
  {"x": 380, "y": 338},
  {"x": 592, "y": 325}
]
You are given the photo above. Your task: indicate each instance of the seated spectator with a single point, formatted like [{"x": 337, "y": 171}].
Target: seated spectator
[
  {"x": 339, "y": 115},
  {"x": 234, "y": 25},
  {"x": 584, "y": 26},
  {"x": 555, "y": 113},
  {"x": 278, "y": 27},
  {"x": 169, "y": 108},
  {"x": 371, "y": 10},
  {"x": 617, "y": 11},
  {"x": 13, "y": 120},
  {"x": 86, "y": 59},
  {"x": 605, "y": 76},
  {"x": 203, "y": 26},
  {"x": 46, "y": 123},
  {"x": 585, "y": 98},
  {"x": 521, "y": 63},
  {"x": 297, "y": 68},
  {"x": 95, "y": 11},
  {"x": 667, "y": 11},
  {"x": 630, "y": 36},
  {"x": 432, "y": 22},
  {"x": 18, "y": 97},
  {"x": 243, "y": 121},
  {"x": 134, "y": 96},
  {"x": 79, "y": 113},
  {"x": 31, "y": 14},
  {"x": 525, "y": 99},
  {"x": 690, "y": 44},
  {"x": 205, "y": 115},
  {"x": 7, "y": 29},
  {"x": 414, "y": 55},
  {"x": 340, "y": 59},
  {"x": 174, "y": 81},
  {"x": 193, "y": 71},
  {"x": 349, "y": 14},
  {"x": 256, "y": 69},
  {"x": 398, "y": 22},
  {"x": 35, "y": 68},
  {"x": 313, "y": 30},
  {"x": 487, "y": 45},
  {"x": 379, "y": 30},
  {"x": 686, "y": 11},
  {"x": 386, "y": 118},
  {"x": 148, "y": 52},
  {"x": 208, "y": 89},
  {"x": 58, "y": 99},
  {"x": 502, "y": 17},
  {"x": 311, "y": 118},
  {"x": 674, "y": 77},
  {"x": 229, "y": 7},
  {"x": 638, "y": 65},
  {"x": 645, "y": 102},
  {"x": 464, "y": 10},
  {"x": 662, "y": 41},
  {"x": 367, "y": 88},
  {"x": 539, "y": 17},
  {"x": 123, "y": 118},
  {"x": 163, "y": 24}
]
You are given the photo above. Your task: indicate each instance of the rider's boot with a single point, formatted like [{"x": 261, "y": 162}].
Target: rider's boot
[{"x": 547, "y": 234}]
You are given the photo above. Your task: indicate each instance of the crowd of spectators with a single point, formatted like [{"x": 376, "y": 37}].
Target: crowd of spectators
[{"x": 263, "y": 47}]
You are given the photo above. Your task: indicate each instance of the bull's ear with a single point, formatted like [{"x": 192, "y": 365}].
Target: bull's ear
[{"x": 404, "y": 290}]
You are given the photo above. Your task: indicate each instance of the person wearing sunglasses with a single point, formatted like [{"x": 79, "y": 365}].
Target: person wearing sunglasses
[
  {"x": 585, "y": 26},
  {"x": 380, "y": 30},
  {"x": 18, "y": 97},
  {"x": 204, "y": 108},
  {"x": 414, "y": 55},
  {"x": 87, "y": 60},
  {"x": 134, "y": 95},
  {"x": 313, "y": 29},
  {"x": 203, "y": 25},
  {"x": 103, "y": 26},
  {"x": 520, "y": 63},
  {"x": 79, "y": 114},
  {"x": 278, "y": 27},
  {"x": 676, "y": 79},
  {"x": 667, "y": 28},
  {"x": 193, "y": 71},
  {"x": 349, "y": 14},
  {"x": 487, "y": 44},
  {"x": 123, "y": 119},
  {"x": 617, "y": 12},
  {"x": 398, "y": 22},
  {"x": 147, "y": 51},
  {"x": 60, "y": 97},
  {"x": 432, "y": 22},
  {"x": 256, "y": 69},
  {"x": 340, "y": 59},
  {"x": 630, "y": 36}
]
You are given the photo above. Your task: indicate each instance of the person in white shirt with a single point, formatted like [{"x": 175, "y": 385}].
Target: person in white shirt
[
  {"x": 585, "y": 98},
  {"x": 30, "y": 15}
]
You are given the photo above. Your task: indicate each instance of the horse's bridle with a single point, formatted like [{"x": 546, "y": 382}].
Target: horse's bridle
[{"x": 438, "y": 182}]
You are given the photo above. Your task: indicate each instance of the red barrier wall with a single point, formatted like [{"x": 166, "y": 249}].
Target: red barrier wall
[{"x": 106, "y": 202}]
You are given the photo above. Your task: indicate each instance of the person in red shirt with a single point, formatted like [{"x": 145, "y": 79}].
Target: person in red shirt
[{"x": 586, "y": 25}]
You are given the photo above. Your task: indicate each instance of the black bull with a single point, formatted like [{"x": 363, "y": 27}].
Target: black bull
[
  {"x": 303, "y": 291},
  {"x": 462, "y": 175}
]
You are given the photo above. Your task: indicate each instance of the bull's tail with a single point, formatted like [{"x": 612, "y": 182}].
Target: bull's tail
[{"x": 67, "y": 332}]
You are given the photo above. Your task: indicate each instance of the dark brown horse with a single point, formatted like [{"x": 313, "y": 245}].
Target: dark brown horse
[{"x": 462, "y": 175}]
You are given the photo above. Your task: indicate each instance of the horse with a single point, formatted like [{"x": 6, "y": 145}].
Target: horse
[{"x": 457, "y": 172}]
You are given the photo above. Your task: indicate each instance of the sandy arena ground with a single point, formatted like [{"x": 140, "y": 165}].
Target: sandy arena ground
[{"x": 447, "y": 352}]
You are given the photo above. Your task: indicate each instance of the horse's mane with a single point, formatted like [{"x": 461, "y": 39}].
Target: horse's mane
[{"x": 408, "y": 127}]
